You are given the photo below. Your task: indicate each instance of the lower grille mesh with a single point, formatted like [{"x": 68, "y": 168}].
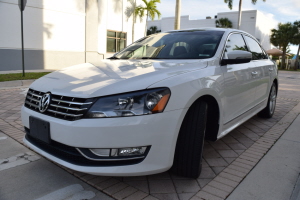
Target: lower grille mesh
[{"x": 71, "y": 155}]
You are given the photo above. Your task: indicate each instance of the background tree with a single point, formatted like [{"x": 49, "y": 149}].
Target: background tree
[
  {"x": 152, "y": 30},
  {"x": 282, "y": 37},
  {"x": 296, "y": 41},
  {"x": 229, "y": 2},
  {"x": 150, "y": 10},
  {"x": 223, "y": 23}
]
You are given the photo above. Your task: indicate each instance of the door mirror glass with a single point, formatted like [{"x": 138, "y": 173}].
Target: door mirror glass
[{"x": 237, "y": 57}]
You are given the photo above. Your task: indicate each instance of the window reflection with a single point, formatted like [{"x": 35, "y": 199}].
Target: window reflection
[
  {"x": 255, "y": 49},
  {"x": 235, "y": 42},
  {"x": 174, "y": 45}
]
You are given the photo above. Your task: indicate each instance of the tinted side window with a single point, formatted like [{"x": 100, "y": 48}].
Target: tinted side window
[
  {"x": 235, "y": 42},
  {"x": 257, "y": 52}
]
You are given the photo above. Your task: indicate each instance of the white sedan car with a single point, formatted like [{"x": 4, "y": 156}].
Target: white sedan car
[{"x": 149, "y": 108}]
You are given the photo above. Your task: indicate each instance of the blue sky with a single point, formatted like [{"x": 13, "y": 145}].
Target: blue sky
[{"x": 277, "y": 10}]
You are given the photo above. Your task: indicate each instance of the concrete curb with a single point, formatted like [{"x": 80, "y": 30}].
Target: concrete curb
[{"x": 15, "y": 84}]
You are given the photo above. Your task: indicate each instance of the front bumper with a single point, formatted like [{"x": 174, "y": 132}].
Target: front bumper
[{"x": 158, "y": 131}]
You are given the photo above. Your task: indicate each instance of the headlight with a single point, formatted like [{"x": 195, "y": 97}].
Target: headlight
[{"x": 130, "y": 104}]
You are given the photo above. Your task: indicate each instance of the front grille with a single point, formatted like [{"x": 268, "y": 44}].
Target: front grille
[
  {"x": 63, "y": 107},
  {"x": 71, "y": 155}
]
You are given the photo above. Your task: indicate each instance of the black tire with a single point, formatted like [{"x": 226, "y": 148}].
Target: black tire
[
  {"x": 190, "y": 141},
  {"x": 269, "y": 110}
]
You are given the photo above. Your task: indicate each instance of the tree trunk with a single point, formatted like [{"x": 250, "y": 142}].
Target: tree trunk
[
  {"x": 133, "y": 20},
  {"x": 297, "y": 58},
  {"x": 177, "y": 15},
  {"x": 283, "y": 65},
  {"x": 240, "y": 14},
  {"x": 146, "y": 24}
]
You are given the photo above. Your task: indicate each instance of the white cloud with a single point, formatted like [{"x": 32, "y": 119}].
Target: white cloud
[{"x": 297, "y": 3}]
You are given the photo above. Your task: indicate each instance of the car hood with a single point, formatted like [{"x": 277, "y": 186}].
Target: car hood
[{"x": 112, "y": 76}]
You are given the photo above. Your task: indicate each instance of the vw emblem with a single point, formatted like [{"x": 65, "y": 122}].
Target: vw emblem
[{"x": 44, "y": 102}]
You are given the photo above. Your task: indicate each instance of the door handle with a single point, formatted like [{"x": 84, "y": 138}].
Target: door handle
[
  {"x": 254, "y": 73},
  {"x": 271, "y": 69}
]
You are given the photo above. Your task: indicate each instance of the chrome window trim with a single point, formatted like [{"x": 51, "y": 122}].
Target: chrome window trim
[{"x": 223, "y": 51}]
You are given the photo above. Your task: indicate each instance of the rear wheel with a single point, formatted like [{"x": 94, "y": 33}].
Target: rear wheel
[
  {"x": 189, "y": 147},
  {"x": 269, "y": 110}
]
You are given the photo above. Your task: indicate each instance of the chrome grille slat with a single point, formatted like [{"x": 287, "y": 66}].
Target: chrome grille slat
[
  {"x": 63, "y": 113},
  {"x": 71, "y": 102},
  {"x": 32, "y": 99},
  {"x": 63, "y": 107},
  {"x": 31, "y": 104},
  {"x": 67, "y": 108},
  {"x": 33, "y": 94}
]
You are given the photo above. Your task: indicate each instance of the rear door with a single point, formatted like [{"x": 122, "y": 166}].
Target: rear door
[
  {"x": 261, "y": 72},
  {"x": 239, "y": 90}
]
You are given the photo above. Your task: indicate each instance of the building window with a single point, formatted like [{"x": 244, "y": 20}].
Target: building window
[{"x": 116, "y": 41}]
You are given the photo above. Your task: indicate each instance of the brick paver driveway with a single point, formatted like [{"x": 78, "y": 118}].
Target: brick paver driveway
[{"x": 226, "y": 162}]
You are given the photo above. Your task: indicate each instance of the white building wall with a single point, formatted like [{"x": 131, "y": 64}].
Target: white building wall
[
  {"x": 10, "y": 34},
  {"x": 60, "y": 33},
  {"x": 54, "y": 34},
  {"x": 48, "y": 25},
  {"x": 113, "y": 16},
  {"x": 167, "y": 23},
  {"x": 263, "y": 30},
  {"x": 157, "y": 23}
]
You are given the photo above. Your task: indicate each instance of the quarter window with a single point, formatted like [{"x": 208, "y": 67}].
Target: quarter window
[
  {"x": 116, "y": 41},
  {"x": 257, "y": 52},
  {"x": 235, "y": 42}
]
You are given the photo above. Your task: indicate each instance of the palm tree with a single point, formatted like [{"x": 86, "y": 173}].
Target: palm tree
[
  {"x": 223, "y": 23},
  {"x": 229, "y": 2},
  {"x": 150, "y": 10},
  {"x": 282, "y": 37},
  {"x": 296, "y": 41},
  {"x": 130, "y": 11},
  {"x": 177, "y": 15}
]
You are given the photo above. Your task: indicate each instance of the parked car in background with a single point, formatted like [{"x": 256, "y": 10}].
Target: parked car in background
[{"x": 149, "y": 107}]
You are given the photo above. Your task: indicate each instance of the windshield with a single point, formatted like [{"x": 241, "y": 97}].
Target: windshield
[{"x": 174, "y": 45}]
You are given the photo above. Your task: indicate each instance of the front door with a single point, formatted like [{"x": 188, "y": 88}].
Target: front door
[
  {"x": 239, "y": 89},
  {"x": 261, "y": 72}
]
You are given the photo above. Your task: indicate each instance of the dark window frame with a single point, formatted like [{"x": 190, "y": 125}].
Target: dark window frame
[
  {"x": 249, "y": 49},
  {"x": 231, "y": 34},
  {"x": 117, "y": 38}
]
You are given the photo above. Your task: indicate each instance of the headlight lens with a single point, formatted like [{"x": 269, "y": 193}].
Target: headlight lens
[{"x": 130, "y": 104}]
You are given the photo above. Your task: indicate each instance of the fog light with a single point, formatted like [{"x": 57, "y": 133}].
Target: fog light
[
  {"x": 100, "y": 152},
  {"x": 131, "y": 151}
]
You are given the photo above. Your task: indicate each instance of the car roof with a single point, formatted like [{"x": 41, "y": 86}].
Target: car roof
[{"x": 226, "y": 30}]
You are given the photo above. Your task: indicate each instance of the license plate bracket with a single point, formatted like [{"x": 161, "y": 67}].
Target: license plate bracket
[{"x": 39, "y": 129}]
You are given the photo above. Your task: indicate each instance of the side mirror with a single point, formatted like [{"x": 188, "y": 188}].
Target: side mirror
[{"x": 237, "y": 57}]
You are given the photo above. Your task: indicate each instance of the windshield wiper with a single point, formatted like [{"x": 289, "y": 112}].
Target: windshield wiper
[
  {"x": 149, "y": 58},
  {"x": 113, "y": 57}
]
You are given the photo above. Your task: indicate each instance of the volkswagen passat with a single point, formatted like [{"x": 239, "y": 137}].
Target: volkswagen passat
[{"x": 149, "y": 107}]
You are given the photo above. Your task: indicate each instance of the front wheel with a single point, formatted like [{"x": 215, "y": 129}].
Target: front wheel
[
  {"x": 269, "y": 110},
  {"x": 189, "y": 146}
]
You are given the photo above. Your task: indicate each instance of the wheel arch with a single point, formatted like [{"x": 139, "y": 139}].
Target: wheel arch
[
  {"x": 213, "y": 117},
  {"x": 276, "y": 83},
  {"x": 213, "y": 114}
]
